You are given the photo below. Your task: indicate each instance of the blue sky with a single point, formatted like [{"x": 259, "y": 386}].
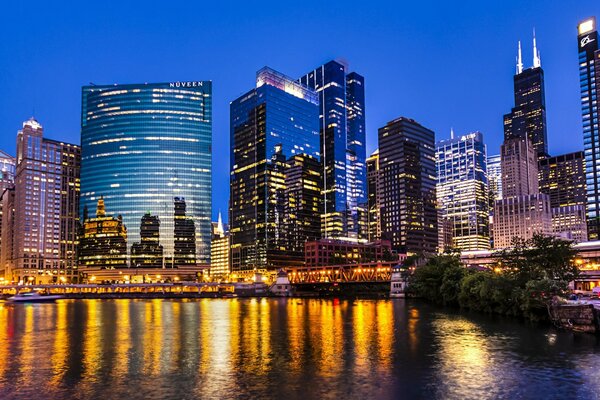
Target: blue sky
[{"x": 445, "y": 64}]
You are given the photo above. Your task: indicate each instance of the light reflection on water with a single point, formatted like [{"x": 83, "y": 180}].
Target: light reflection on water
[{"x": 278, "y": 348}]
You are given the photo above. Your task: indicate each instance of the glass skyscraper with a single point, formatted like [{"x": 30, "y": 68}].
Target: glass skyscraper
[
  {"x": 343, "y": 148},
  {"x": 146, "y": 148},
  {"x": 462, "y": 190},
  {"x": 589, "y": 80},
  {"x": 270, "y": 124}
]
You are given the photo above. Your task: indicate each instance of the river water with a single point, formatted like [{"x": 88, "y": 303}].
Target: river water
[{"x": 285, "y": 349}]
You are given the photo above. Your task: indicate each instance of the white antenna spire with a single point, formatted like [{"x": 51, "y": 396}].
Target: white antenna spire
[
  {"x": 536, "y": 54},
  {"x": 451, "y": 133},
  {"x": 220, "y": 230},
  {"x": 519, "y": 60}
]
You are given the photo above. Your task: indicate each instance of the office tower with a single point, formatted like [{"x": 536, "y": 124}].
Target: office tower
[
  {"x": 343, "y": 148},
  {"x": 462, "y": 190},
  {"x": 302, "y": 208},
  {"x": 562, "y": 178},
  {"x": 184, "y": 235},
  {"x": 407, "y": 178},
  {"x": 589, "y": 81},
  {"x": 46, "y": 208},
  {"x": 373, "y": 197},
  {"x": 7, "y": 199},
  {"x": 148, "y": 252},
  {"x": 523, "y": 210},
  {"x": 143, "y": 145},
  {"x": 269, "y": 124},
  {"x": 494, "y": 174},
  {"x": 219, "y": 250},
  {"x": 7, "y": 180},
  {"x": 103, "y": 241},
  {"x": 528, "y": 117}
]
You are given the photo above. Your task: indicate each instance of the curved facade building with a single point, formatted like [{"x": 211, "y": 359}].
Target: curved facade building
[{"x": 146, "y": 148}]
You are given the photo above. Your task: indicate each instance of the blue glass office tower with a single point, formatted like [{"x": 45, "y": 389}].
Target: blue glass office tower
[
  {"x": 589, "y": 80},
  {"x": 270, "y": 124},
  {"x": 342, "y": 137},
  {"x": 145, "y": 149}
]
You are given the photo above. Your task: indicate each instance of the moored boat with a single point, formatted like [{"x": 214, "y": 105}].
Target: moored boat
[{"x": 33, "y": 297}]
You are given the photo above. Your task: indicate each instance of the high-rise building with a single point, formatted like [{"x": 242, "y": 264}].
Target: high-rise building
[
  {"x": 302, "y": 210},
  {"x": 407, "y": 178},
  {"x": 494, "y": 174},
  {"x": 184, "y": 235},
  {"x": 7, "y": 180},
  {"x": 103, "y": 240},
  {"x": 523, "y": 211},
  {"x": 269, "y": 124},
  {"x": 343, "y": 147},
  {"x": 144, "y": 146},
  {"x": 46, "y": 209},
  {"x": 7, "y": 199},
  {"x": 219, "y": 250},
  {"x": 148, "y": 252},
  {"x": 589, "y": 81},
  {"x": 373, "y": 196},
  {"x": 462, "y": 190},
  {"x": 528, "y": 117}
]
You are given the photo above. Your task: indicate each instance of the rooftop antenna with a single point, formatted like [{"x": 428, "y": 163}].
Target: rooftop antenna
[
  {"x": 536, "y": 54},
  {"x": 519, "y": 60},
  {"x": 451, "y": 133}
]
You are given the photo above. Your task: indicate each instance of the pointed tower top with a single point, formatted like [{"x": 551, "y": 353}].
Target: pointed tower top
[
  {"x": 100, "y": 211},
  {"x": 519, "y": 60},
  {"x": 220, "y": 231},
  {"x": 536, "y": 54}
]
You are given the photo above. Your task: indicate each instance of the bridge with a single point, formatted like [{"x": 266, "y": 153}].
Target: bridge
[{"x": 359, "y": 273}]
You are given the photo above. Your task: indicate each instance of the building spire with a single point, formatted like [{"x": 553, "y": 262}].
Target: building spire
[
  {"x": 451, "y": 133},
  {"x": 536, "y": 54},
  {"x": 220, "y": 230},
  {"x": 519, "y": 60}
]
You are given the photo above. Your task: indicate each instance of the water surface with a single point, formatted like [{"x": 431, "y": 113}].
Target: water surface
[{"x": 284, "y": 349}]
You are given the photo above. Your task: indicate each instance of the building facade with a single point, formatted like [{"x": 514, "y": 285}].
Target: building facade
[
  {"x": 407, "y": 177},
  {"x": 103, "y": 240},
  {"x": 462, "y": 190},
  {"x": 373, "y": 198},
  {"x": 46, "y": 209},
  {"x": 589, "y": 80},
  {"x": 528, "y": 117},
  {"x": 7, "y": 181},
  {"x": 219, "y": 250},
  {"x": 269, "y": 124},
  {"x": 148, "y": 252},
  {"x": 144, "y": 146},
  {"x": 342, "y": 147},
  {"x": 328, "y": 252}
]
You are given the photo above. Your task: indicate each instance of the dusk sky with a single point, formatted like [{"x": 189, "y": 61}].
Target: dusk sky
[{"x": 445, "y": 64}]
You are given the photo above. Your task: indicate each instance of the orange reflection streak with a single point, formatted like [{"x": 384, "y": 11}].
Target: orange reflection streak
[
  {"x": 123, "y": 339},
  {"x": 92, "y": 360},
  {"x": 385, "y": 333},
  {"x": 171, "y": 344},
  {"x": 4, "y": 329},
  {"x": 413, "y": 320},
  {"x": 295, "y": 334},
  {"x": 27, "y": 361},
  {"x": 60, "y": 348},
  {"x": 330, "y": 331}
]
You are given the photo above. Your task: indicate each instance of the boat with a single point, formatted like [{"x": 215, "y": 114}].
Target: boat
[
  {"x": 399, "y": 282},
  {"x": 282, "y": 286},
  {"x": 33, "y": 297}
]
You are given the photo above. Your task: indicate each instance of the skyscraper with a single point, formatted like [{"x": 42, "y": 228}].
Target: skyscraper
[
  {"x": 407, "y": 181},
  {"x": 148, "y": 252},
  {"x": 589, "y": 80},
  {"x": 46, "y": 208},
  {"x": 219, "y": 250},
  {"x": 528, "y": 117},
  {"x": 373, "y": 195},
  {"x": 269, "y": 124},
  {"x": 343, "y": 147},
  {"x": 103, "y": 241},
  {"x": 184, "y": 235},
  {"x": 523, "y": 211},
  {"x": 462, "y": 190},
  {"x": 494, "y": 173},
  {"x": 144, "y": 146},
  {"x": 7, "y": 181}
]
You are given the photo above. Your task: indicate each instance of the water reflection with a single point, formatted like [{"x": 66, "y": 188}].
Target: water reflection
[{"x": 278, "y": 348}]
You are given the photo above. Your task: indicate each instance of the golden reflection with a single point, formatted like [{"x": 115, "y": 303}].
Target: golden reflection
[
  {"x": 295, "y": 325},
  {"x": 362, "y": 330},
  {"x": 60, "y": 348},
  {"x": 92, "y": 351},
  {"x": 331, "y": 335},
  {"x": 5, "y": 328},
  {"x": 384, "y": 320},
  {"x": 28, "y": 358},
  {"x": 152, "y": 340},
  {"x": 123, "y": 338},
  {"x": 413, "y": 337}
]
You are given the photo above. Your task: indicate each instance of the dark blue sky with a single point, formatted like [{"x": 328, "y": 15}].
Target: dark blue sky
[{"x": 445, "y": 64}]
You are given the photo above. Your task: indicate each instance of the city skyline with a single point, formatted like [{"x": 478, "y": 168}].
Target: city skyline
[{"x": 419, "y": 88}]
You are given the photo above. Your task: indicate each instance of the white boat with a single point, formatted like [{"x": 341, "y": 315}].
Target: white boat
[
  {"x": 33, "y": 297},
  {"x": 399, "y": 282}
]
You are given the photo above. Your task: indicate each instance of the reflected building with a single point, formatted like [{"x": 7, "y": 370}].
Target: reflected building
[
  {"x": 46, "y": 209},
  {"x": 144, "y": 145},
  {"x": 271, "y": 123},
  {"x": 343, "y": 148},
  {"x": 148, "y": 252},
  {"x": 407, "y": 177},
  {"x": 373, "y": 197},
  {"x": 219, "y": 250},
  {"x": 589, "y": 81},
  {"x": 462, "y": 191},
  {"x": 103, "y": 240}
]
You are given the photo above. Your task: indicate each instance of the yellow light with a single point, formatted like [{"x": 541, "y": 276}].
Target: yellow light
[
  {"x": 93, "y": 278},
  {"x": 157, "y": 276},
  {"x": 63, "y": 279},
  {"x": 586, "y": 26}
]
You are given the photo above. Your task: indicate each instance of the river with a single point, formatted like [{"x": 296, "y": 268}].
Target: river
[{"x": 285, "y": 349}]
